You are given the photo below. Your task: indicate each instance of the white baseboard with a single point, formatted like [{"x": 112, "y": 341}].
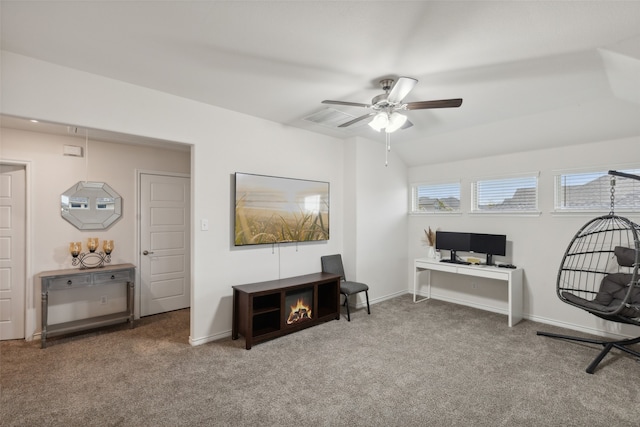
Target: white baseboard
[
  {"x": 363, "y": 302},
  {"x": 538, "y": 319},
  {"x": 472, "y": 304},
  {"x": 209, "y": 338},
  {"x": 578, "y": 328}
]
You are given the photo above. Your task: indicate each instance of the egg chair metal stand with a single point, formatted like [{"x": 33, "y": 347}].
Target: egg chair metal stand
[{"x": 599, "y": 274}]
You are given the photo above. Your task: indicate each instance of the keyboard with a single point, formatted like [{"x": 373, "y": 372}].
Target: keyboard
[{"x": 454, "y": 261}]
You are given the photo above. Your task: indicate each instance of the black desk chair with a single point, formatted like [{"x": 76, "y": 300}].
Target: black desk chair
[{"x": 333, "y": 264}]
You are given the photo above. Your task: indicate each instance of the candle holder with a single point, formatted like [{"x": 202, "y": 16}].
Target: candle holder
[
  {"x": 91, "y": 259},
  {"x": 92, "y": 244}
]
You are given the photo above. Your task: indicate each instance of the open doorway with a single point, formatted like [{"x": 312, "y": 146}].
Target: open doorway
[{"x": 105, "y": 155}]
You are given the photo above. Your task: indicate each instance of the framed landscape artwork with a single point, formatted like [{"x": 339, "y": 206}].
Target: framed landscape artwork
[{"x": 270, "y": 209}]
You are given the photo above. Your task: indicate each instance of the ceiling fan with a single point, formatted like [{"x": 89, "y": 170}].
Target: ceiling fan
[{"x": 386, "y": 106}]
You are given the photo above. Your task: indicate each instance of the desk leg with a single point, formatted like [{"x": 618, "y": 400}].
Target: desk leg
[
  {"x": 415, "y": 285},
  {"x": 516, "y": 296},
  {"x": 45, "y": 315},
  {"x": 131, "y": 302}
]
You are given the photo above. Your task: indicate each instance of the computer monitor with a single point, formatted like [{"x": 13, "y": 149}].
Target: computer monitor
[
  {"x": 453, "y": 242},
  {"x": 489, "y": 244}
]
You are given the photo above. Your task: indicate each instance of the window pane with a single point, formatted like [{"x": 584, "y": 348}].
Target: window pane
[
  {"x": 506, "y": 195},
  {"x": 592, "y": 191},
  {"x": 441, "y": 198}
]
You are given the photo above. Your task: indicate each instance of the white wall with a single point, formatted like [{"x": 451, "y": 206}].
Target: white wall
[
  {"x": 52, "y": 173},
  {"x": 537, "y": 242},
  {"x": 254, "y": 146},
  {"x": 378, "y": 218},
  {"x": 223, "y": 142}
]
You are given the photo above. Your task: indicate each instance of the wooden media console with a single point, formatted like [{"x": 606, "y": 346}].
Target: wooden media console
[{"x": 266, "y": 310}]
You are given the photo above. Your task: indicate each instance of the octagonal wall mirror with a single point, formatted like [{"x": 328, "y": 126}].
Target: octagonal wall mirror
[{"x": 91, "y": 205}]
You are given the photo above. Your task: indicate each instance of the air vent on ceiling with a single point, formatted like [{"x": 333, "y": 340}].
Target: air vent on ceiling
[{"x": 333, "y": 118}]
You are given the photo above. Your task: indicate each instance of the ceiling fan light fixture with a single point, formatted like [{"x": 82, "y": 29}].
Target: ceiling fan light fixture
[
  {"x": 379, "y": 121},
  {"x": 396, "y": 121},
  {"x": 385, "y": 115}
]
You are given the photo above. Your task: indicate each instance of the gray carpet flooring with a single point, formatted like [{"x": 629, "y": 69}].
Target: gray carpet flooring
[{"x": 426, "y": 364}]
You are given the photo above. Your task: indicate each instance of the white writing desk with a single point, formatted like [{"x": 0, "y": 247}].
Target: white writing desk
[{"x": 513, "y": 277}]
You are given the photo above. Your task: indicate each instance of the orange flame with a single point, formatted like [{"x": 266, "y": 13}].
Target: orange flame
[{"x": 299, "y": 312}]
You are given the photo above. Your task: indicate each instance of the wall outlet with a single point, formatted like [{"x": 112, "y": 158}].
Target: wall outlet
[{"x": 103, "y": 300}]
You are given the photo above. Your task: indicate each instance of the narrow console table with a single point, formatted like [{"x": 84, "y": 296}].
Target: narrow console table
[
  {"x": 512, "y": 277},
  {"x": 72, "y": 279},
  {"x": 266, "y": 310}
]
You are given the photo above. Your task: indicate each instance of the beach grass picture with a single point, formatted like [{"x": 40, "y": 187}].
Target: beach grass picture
[{"x": 271, "y": 209}]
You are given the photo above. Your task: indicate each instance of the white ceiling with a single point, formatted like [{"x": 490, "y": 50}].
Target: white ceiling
[{"x": 532, "y": 74}]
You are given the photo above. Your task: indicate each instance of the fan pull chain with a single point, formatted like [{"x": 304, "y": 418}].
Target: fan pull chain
[
  {"x": 613, "y": 191},
  {"x": 387, "y": 149}
]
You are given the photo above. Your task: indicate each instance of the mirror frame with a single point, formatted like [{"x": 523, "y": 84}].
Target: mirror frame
[{"x": 89, "y": 217}]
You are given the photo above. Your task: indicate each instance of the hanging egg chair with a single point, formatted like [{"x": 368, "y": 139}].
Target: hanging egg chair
[{"x": 599, "y": 274}]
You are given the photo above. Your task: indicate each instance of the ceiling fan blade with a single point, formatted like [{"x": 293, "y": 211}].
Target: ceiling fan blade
[
  {"x": 400, "y": 89},
  {"x": 356, "y": 120},
  {"x": 351, "y": 104},
  {"x": 407, "y": 124},
  {"x": 441, "y": 103}
]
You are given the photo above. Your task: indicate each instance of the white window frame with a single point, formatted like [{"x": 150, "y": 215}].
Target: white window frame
[
  {"x": 602, "y": 206},
  {"x": 508, "y": 181},
  {"x": 436, "y": 186}
]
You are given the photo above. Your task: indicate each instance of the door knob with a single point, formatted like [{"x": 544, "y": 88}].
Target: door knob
[{"x": 146, "y": 253}]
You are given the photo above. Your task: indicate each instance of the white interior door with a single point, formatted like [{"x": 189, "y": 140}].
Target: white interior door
[
  {"x": 164, "y": 243},
  {"x": 12, "y": 251}
]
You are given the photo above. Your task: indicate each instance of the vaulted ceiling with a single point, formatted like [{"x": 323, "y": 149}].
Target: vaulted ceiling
[{"x": 533, "y": 74}]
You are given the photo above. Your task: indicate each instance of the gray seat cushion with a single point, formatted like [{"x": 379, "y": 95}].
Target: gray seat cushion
[
  {"x": 613, "y": 290},
  {"x": 350, "y": 288},
  {"x": 625, "y": 256}
]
